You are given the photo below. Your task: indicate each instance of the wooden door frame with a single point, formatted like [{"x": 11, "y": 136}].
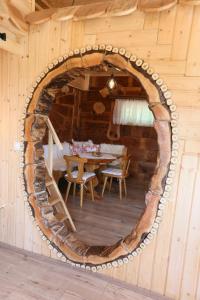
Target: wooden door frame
[{"x": 38, "y": 105}]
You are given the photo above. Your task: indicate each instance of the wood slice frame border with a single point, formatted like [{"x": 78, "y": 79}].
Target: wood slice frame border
[{"x": 36, "y": 110}]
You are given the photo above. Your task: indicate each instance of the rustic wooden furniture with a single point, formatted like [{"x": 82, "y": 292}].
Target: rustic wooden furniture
[
  {"x": 95, "y": 163},
  {"x": 78, "y": 176},
  {"x": 120, "y": 174}
]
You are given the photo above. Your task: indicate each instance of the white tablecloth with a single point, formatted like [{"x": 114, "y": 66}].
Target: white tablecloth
[{"x": 91, "y": 156}]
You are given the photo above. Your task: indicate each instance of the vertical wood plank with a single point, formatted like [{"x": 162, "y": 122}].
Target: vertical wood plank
[
  {"x": 161, "y": 258},
  {"x": 146, "y": 263},
  {"x": 182, "y": 32},
  {"x": 193, "y": 58},
  {"x": 151, "y": 20},
  {"x": 179, "y": 239},
  {"x": 77, "y": 35},
  {"x": 192, "y": 259},
  {"x": 166, "y": 26}
]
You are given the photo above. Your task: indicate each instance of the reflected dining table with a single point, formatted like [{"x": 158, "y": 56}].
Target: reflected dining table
[{"x": 96, "y": 162}]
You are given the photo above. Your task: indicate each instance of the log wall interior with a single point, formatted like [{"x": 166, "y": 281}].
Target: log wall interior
[
  {"x": 170, "y": 264},
  {"x": 73, "y": 117}
]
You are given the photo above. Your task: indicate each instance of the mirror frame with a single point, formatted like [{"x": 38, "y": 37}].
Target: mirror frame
[{"x": 36, "y": 110}]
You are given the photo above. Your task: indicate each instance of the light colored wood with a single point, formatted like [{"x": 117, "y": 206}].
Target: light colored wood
[
  {"x": 59, "y": 199},
  {"x": 121, "y": 7},
  {"x": 189, "y": 2},
  {"x": 166, "y": 26},
  {"x": 156, "y": 5},
  {"x": 18, "y": 73},
  {"x": 124, "y": 166},
  {"x": 81, "y": 196},
  {"x": 17, "y": 17},
  {"x": 79, "y": 179},
  {"x": 54, "y": 134},
  {"x": 50, "y": 152},
  {"x": 129, "y": 38},
  {"x": 65, "y": 14},
  {"x": 193, "y": 60},
  {"x": 41, "y": 16},
  {"x": 168, "y": 66},
  {"x": 151, "y": 20},
  {"x": 178, "y": 243},
  {"x": 104, "y": 185},
  {"x": 133, "y": 22},
  {"x": 191, "y": 260},
  {"x": 182, "y": 32},
  {"x": 90, "y": 11},
  {"x": 12, "y": 47},
  {"x": 36, "y": 268}
]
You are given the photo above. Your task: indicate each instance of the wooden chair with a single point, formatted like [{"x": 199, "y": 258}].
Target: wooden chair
[
  {"x": 78, "y": 176},
  {"x": 121, "y": 174}
]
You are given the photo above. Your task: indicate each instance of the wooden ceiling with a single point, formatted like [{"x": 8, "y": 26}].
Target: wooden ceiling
[
  {"x": 15, "y": 16},
  {"x": 44, "y": 4},
  {"x": 142, "y": 4},
  {"x": 62, "y": 10}
]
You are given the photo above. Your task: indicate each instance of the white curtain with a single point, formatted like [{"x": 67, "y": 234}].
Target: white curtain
[{"x": 132, "y": 112}]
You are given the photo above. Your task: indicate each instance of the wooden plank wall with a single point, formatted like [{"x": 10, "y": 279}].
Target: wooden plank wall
[{"x": 169, "y": 41}]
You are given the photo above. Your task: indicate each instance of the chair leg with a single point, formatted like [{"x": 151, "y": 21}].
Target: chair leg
[
  {"x": 120, "y": 189},
  {"x": 125, "y": 189},
  {"x": 81, "y": 196},
  {"x": 110, "y": 185},
  {"x": 91, "y": 190},
  {"x": 74, "y": 190},
  {"x": 67, "y": 193},
  {"x": 104, "y": 185}
]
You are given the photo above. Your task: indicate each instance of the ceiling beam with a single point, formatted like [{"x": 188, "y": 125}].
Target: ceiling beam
[{"x": 12, "y": 47}]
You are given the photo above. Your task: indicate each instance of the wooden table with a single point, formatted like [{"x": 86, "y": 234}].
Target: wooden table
[{"x": 94, "y": 163}]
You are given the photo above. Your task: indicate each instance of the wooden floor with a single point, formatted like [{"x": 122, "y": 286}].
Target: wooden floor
[
  {"x": 25, "y": 276},
  {"x": 106, "y": 221}
]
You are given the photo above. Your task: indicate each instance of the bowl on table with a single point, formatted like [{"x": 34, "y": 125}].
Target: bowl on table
[{"x": 97, "y": 154}]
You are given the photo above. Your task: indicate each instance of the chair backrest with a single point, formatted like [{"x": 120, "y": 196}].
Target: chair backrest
[
  {"x": 70, "y": 162},
  {"x": 125, "y": 163},
  {"x": 113, "y": 149}
]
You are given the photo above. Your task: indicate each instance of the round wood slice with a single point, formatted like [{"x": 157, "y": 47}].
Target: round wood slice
[
  {"x": 40, "y": 17},
  {"x": 99, "y": 108},
  {"x": 65, "y": 13},
  {"x": 156, "y": 5},
  {"x": 121, "y": 7},
  {"x": 4, "y": 12},
  {"x": 90, "y": 11},
  {"x": 190, "y": 2},
  {"x": 17, "y": 18}
]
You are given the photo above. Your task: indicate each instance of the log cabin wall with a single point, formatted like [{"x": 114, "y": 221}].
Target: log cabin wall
[
  {"x": 73, "y": 117},
  {"x": 169, "y": 42}
]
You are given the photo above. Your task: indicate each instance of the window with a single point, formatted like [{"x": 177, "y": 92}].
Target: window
[{"x": 132, "y": 112}]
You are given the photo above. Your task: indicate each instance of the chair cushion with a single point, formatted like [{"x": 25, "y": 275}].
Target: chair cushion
[
  {"x": 86, "y": 175},
  {"x": 112, "y": 171}
]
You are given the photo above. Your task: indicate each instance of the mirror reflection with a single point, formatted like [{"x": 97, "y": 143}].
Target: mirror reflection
[{"x": 109, "y": 151}]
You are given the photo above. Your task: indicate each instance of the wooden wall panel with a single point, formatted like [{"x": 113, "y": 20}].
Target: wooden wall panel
[
  {"x": 176, "y": 246},
  {"x": 193, "y": 59}
]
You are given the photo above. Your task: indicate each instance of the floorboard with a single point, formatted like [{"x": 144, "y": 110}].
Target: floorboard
[
  {"x": 105, "y": 221},
  {"x": 28, "y": 276}
]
